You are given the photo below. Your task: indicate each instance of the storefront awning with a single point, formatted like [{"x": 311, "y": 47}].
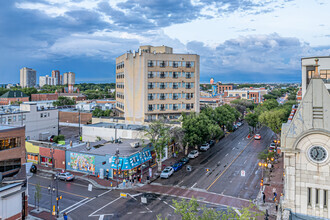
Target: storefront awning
[{"x": 135, "y": 160}]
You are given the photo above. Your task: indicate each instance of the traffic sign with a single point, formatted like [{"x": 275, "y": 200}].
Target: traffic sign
[
  {"x": 123, "y": 195},
  {"x": 242, "y": 172}
]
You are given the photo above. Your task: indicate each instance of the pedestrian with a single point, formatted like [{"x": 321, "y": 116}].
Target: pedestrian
[
  {"x": 65, "y": 216},
  {"x": 276, "y": 205},
  {"x": 124, "y": 181},
  {"x": 263, "y": 197}
]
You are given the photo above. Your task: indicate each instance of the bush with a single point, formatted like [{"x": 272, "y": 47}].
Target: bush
[{"x": 58, "y": 138}]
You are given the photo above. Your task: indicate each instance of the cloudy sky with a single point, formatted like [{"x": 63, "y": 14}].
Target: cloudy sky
[{"x": 238, "y": 40}]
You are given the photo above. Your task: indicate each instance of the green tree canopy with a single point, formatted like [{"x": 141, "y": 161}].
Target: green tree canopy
[{"x": 62, "y": 101}]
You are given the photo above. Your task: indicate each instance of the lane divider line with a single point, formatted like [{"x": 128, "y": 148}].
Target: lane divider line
[{"x": 229, "y": 165}]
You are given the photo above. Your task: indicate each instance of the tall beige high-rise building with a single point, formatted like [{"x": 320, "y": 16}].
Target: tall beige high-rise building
[
  {"x": 47, "y": 80},
  {"x": 155, "y": 83},
  {"x": 28, "y": 77},
  {"x": 69, "y": 78}
]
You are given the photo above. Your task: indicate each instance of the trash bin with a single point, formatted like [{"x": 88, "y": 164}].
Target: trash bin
[{"x": 189, "y": 168}]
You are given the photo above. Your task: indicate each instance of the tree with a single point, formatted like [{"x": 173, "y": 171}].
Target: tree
[
  {"x": 191, "y": 210},
  {"x": 158, "y": 133},
  {"x": 263, "y": 155},
  {"x": 177, "y": 134},
  {"x": 99, "y": 112},
  {"x": 58, "y": 138},
  {"x": 199, "y": 128},
  {"x": 62, "y": 100},
  {"x": 38, "y": 194},
  {"x": 273, "y": 119},
  {"x": 270, "y": 104},
  {"x": 252, "y": 119}
]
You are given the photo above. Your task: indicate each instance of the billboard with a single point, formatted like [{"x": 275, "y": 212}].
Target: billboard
[
  {"x": 82, "y": 162},
  {"x": 214, "y": 90}
]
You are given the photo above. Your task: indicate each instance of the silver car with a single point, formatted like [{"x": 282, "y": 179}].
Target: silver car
[
  {"x": 167, "y": 172},
  {"x": 65, "y": 176}
]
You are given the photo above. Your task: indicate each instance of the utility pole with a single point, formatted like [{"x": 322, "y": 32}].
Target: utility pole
[
  {"x": 79, "y": 123},
  {"x": 141, "y": 157},
  {"x": 117, "y": 161}
]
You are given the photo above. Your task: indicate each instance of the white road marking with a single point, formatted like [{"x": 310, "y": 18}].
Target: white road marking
[
  {"x": 236, "y": 210},
  {"x": 169, "y": 205},
  {"x": 132, "y": 196},
  {"x": 74, "y": 205},
  {"x": 103, "y": 207},
  {"x": 194, "y": 185},
  {"x": 245, "y": 161},
  {"x": 159, "y": 198},
  {"x": 226, "y": 155},
  {"x": 81, "y": 205},
  {"x": 104, "y": 193},
  {"x": 233, "y": 148},
  {"x": 148, "y": 209},
  {"x": 136, "y": 194},
  {"x": 129, "y": 213},
  {"x": 142, "y": 212},
  {"x": 101, "y": 217},
  {"x": 180, "y": 182},
  {"x": 256, "y": 172}
]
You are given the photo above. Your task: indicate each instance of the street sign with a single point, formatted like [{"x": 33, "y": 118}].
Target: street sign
[
  {"x": 144, "y": 200},
  {"x": 242, "y": 172},
  {"x": 123, "y": 195},
  {"x": 90, "y": 187}
]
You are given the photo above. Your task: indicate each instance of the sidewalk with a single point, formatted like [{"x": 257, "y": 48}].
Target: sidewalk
[
  {"x": 34, "y": 214},
  {"x": 274, "y": 184},
  {"x": 106, "y": 184}
]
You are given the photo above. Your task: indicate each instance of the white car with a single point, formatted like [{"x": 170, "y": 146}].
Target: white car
[
  {"x": 239, "y": 124},
  {"x": 167, "y": 172},
  {"x": 193, "y": 154},
  {"x": 65, "y": 176},
  {"x": 204, "y": 147}
]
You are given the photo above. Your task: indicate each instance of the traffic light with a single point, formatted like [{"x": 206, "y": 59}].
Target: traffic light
[
  {"x": 60, "y": 197},
  {"x": 261, "y": 182},
  {"x": 207, "y": 169}
]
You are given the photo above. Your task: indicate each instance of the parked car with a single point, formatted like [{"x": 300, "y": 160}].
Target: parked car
[
  {"x": 50, "y": 138},
  {"x": 272, "y": 147},
  {"x": 184, "y": 160},
  {"x": 204, "y": 147},
  {"x": 177, "y": 166},
  {"x": 193, "y": 154},
  {"x": 65, "y": 176},
  {"x": 211, "y": 143},
  {"x": 239, "y": 124},
  {"x": 257, "y": 136},
  {"x": 167, "y": 172}
]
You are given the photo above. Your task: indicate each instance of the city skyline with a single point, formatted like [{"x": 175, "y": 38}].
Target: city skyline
[{"x": 252, "y": 41}]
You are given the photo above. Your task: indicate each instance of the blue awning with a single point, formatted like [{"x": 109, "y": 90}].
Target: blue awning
[{"x": 135, "y": 160}]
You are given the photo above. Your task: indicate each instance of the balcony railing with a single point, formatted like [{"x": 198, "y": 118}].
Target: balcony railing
[
  {"x": 175, "y": 108},
  {"x": 188, "y": 87},
  {"x": 150, "y": 98},
  {"x": 162, "y": 97},
  {"x": 150, "y": 64},
  {"x": 150, "y": 109},
  {"x": 162, "y": 108},
  {"x": 162, "y": 64},
  {"x": 162, "y": 75},
  {"x": 188, "y": 76},
  {"x": 150, "y": 87},
  {"x": 175, "y": 86},
  {"x": 162, "y": 86},
  {"x": 175, "y": 97},
  {"x": 188, "y": 65},
  {"x": 175, "y": 76},
  {"x": 188, "y": 97},
  {"x": 175, "y": 65},
  {"x": 150, "y": 76}
]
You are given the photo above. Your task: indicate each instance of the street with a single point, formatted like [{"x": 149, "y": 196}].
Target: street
[{"x": 226, "y": 160}]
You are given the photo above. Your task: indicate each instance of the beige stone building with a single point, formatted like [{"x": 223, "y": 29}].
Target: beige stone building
[
  {"x": 305, "y": 142},
  {"x": 308, "y": 66},
  {"x": 155, "y": 83}
]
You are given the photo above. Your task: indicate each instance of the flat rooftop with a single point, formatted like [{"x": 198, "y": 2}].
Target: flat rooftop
[
  {"x": 118, "y": 126},
  {"x": 6, "y": 127},
  {"x": 108, "y": 148}
]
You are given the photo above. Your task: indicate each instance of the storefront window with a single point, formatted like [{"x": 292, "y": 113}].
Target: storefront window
[{"x": 9, "y": 143}]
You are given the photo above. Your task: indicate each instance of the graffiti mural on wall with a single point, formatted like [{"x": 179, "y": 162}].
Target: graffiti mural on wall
[{"x": 82, "y": 162}]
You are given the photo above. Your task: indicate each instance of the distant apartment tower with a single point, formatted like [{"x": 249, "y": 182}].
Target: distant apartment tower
[
  {"x": 47, "y": 80},
  {"x": 69, "y": 78},
  {"x": 315, "y": 67},
  {"x": 155, "y": 83},
  {"x": 27, "y": 77},
  {"x": 56, "y": 74}
]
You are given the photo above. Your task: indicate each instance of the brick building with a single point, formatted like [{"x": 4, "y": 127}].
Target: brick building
[
  {"x": 12, "y": 148},
  {"x": 13, "y": 96},
  {"x": 44, "y": 97},
  {"x": 70, "y": 116},
  {"x": 223, "y": 87}
]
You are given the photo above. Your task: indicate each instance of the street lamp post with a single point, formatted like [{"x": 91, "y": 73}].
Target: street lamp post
[
  {"x": 141, "y": 157},
  {"x": 117, "y": 161}
]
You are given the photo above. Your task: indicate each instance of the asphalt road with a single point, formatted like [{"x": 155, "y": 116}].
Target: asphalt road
[{"x": 225, "y": 160}]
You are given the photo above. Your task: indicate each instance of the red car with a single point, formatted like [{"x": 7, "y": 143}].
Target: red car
[{"x": 257, "y": 137}]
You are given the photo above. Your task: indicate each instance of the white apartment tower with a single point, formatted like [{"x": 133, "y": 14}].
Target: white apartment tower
[{"x": 27, "y": 77}]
